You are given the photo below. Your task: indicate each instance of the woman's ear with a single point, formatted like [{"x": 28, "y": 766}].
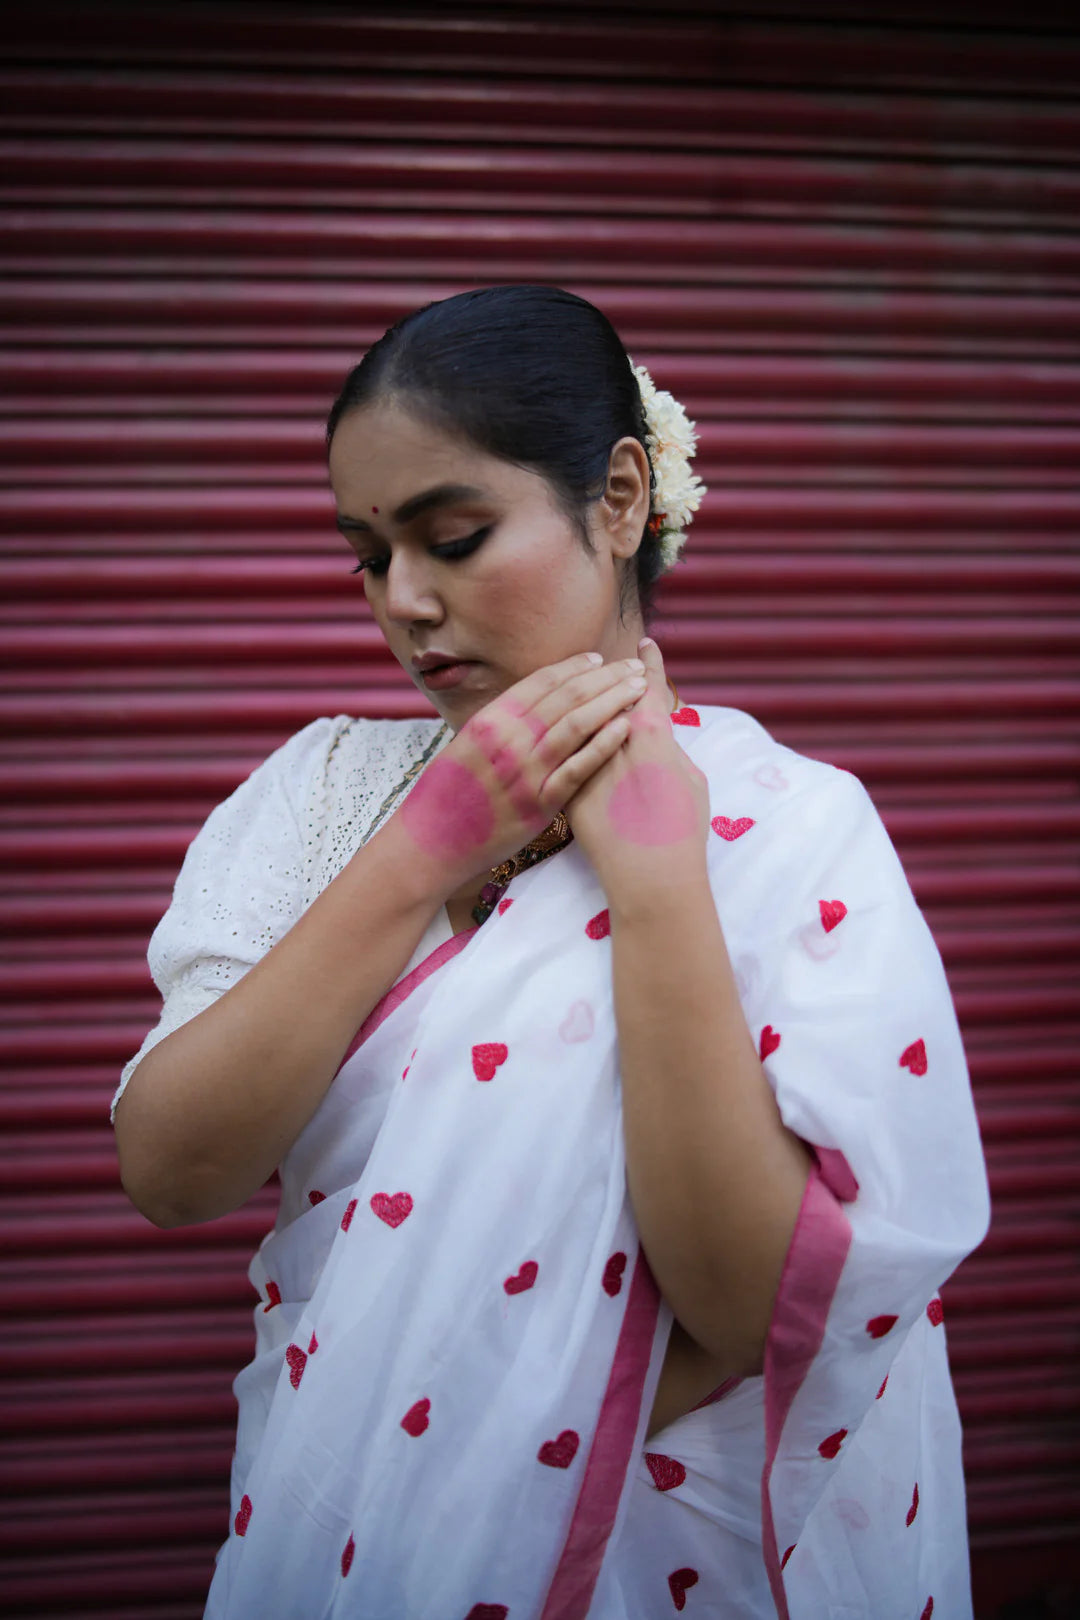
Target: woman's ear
[{"x": 624, "y": 505}]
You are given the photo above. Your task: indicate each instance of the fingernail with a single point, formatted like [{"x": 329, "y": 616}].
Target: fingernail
[
  {"x": 635, "y": 663},
  {"x": 595, "y": 658},
  {"x": 637, "y": 683},
  {"x": 646, "y": 641}
]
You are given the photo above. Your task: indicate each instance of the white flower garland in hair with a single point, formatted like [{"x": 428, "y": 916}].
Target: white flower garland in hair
[{"x": 670, "y": 440}]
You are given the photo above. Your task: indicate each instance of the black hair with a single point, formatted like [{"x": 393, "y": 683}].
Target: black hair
[{"x": 532, "y": 374}]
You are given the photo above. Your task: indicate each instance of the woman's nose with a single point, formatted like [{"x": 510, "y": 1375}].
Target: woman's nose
[{"x": 410, "y": 590}]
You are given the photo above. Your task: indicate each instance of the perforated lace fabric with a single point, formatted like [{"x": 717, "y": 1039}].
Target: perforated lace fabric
[{"x": 270, "y": 849}]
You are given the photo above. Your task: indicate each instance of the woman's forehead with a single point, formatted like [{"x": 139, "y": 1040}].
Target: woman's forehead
[{"x": 386, "y": 456}]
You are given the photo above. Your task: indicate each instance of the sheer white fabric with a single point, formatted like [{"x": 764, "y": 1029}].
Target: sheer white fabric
[{"x": 431, "y": 1429}]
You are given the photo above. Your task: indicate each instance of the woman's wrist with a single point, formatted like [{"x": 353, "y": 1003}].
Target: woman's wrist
[
  {"x": 421, "y": 879},
  {"x": 651, "y": 887}
]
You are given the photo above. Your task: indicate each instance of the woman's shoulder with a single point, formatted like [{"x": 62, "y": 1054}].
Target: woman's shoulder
[
  {"x": 359, "y": 773},
  {"x": 790, "y": 797},
  {"x": 331, "y": 771},
  {"x": 335, "y": 755},
  {"x": 349, "y": 740},
  {"x": 735, "y": 746},
  {"x": 364, "y": 744},
  {"x": 805, "y": 810}
]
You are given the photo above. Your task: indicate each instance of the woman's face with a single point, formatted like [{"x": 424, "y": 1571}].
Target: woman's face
[{"x": 474, "y": 575}]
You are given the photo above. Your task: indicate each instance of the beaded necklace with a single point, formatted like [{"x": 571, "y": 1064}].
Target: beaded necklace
[{"x": 550, "y": 841}]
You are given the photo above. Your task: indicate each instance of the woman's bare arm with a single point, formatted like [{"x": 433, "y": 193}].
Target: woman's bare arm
[
  {"x": 715, "y": 1177},
  {"x": 210, "y": 1112}
]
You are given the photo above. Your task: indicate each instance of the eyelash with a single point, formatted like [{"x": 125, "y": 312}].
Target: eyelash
[{"x": 450, "y": 552}]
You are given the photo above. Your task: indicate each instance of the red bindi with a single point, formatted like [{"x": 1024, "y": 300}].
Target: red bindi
[{"x": 375, "y": 509}]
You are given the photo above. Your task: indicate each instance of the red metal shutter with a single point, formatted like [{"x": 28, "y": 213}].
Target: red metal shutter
[{"x": 852, "y": 251}]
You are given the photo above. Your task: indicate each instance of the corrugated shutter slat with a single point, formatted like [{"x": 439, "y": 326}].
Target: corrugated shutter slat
[{"x": 846, "y": 238}]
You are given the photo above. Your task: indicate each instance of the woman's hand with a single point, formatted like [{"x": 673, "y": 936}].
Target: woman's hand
[
  {"x": 517, "y": 761},
  {"x": 642, "y": 817}
]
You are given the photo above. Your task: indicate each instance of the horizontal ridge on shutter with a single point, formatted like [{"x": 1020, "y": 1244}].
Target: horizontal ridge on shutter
[{"x": 850, "y": 246}]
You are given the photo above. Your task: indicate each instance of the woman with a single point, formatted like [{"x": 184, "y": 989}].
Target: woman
[{"x": 621, "y": 1114}]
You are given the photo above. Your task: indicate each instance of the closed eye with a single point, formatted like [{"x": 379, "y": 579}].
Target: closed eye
[
  {"x": 453, "y": 549},
  {"x": 450, "y": 552}
]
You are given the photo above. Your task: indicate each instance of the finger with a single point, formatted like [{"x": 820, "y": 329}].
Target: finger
[
  {"x": 581, "y": 690},
  {"x": 531, "y": 688},
  {"x": 570, "y": 734},
  {"x": 655, "y": 673},
  {"x": 583, "y": 685},
  {"x": 563, "y": 783}
]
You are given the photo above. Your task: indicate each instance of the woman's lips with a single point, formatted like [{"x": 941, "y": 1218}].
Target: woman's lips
[{"x": 444, "y": 676}]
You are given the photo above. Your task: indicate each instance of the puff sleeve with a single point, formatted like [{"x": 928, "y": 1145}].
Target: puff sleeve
[{"x": 241, "y": 886}]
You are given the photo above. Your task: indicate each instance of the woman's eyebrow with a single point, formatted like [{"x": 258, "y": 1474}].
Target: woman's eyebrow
[{"x": 439, "y": 495}]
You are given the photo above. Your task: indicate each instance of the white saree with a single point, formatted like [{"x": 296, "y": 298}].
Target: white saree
[{"x": 458, "y": 1338}]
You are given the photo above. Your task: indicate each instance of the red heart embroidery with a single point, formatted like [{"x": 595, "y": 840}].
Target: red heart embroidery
[
  {"x": 667, "y": 1473},
  {"x": 881, "y": 1391},
  {"x": 770, "y": 1040},
  {"x": 878, "y": 1326},
  {"x": 731, "y": 829},
  {"x": 313, "y": 1346},
  {"x": 680, "y": 1583},
  {"x": 913, "y": 1057},
  {"x": 578, "y": 1025},
  {"x": 599, "y": 927},
  {"x": 392, "y": 1209},
  {"x": 612, "y": 1279},
  {"x": 297, "y": 1360},
  {"x": 936, "y": 1312},
  {"x": 350, "y": 1211},
  {"x": 504, "y": 906},
  {"x": 832, "y": 1443},
  {"x": 316, "y": 1198},
  {"x": 685, "y": 717},
  {"x": 832, "y": 912},
  {"x": 273, "y": 1294},
  {"x": 928, "y": 1611},
  {"x": 243, "y": 1516},
  {"x": 488, "y": 1611},
  {"x": 415, "y": 1420},
  {"x": 486, "y": 1059},
  {"x": 523, "y": 1279},
  {"x": 559, "y": 1453},
  {"x": 914, "y": 1508},
  {"x": 347, "y": 1556},
  {"x": 788, "y": 1554},
  {"x": 851, "y": 1512}
]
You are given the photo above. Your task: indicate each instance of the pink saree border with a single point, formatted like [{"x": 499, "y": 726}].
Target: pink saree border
[
  {"x": 815, "y": 1258},
  {"x": 400, "y": 992},
  {"x": 574, "y": 1581}
]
